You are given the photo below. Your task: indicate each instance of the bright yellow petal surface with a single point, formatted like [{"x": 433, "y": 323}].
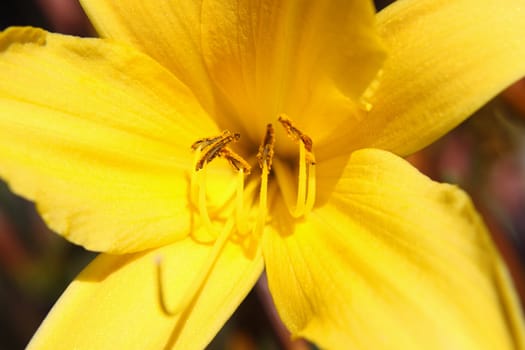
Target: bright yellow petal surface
[
  {"x": 114, "y": 302},
  {"x": 273, "y": 56},
  {"x": 168, "y": 31},
  {"x": 446, "y": 59},
  {"x": 99, "y": 137},
  {"x": 391, "y": 260}
]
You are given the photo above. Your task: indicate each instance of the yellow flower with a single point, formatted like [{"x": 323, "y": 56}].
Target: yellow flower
[{"x": 361, "y": 251}]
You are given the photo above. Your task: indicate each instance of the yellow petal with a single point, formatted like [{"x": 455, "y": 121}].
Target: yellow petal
[
  {"x": 274, "y": 56},
  {"x": 114, "y": 302},
  {"x": 446, "y": 59},
  {"x": 99, "y": 136},
  {"x": 391, "y": 260},
  {"x": 168, "y": 31}
]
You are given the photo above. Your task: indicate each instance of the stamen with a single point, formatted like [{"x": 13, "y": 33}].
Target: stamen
[
  {"x": 198, "y": 196},
  {"x": 265, "y": 153},
  {"x": 306, "y": 176},
  {"x": 207, "y": 141},
  {"x": 312, "y": 185},
  {"x": 264, "y": 158},
  {"x": 203, "y": 207},
  {"x": 302, "y": 183},
  {"x": 235, "y": 160},
  {"x": 298, "y": 137},
  {"x": 263, "y": 209},
  {"x": 241, "y": 213},
  {"x": 241, "y": 219},
  {"x": 212, "y": 146},
  {"x": 206, "y": 150},
  {"x": 194, "y": 188},
  {"x": 196, "y": 285}
]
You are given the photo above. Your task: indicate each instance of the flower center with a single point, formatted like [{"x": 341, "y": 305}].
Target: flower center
[
  {"x": 237, "y": 226},
  {"x": 209, "y": 148}
]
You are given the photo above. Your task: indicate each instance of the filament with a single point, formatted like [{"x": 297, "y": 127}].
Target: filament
[
  {"x": 202, "y": 205},
  {"x": 263, "y": 209},
  {"x": 306, "y": 183},
  {"x": 312, "y": 185},
  {"x": 302, "y": 183},
  {"x": 196, "y": 285},
  {"x": 305, "y": 195},
  {"x": 194, "y": 188},
  {"x": 241, "y": 219}
]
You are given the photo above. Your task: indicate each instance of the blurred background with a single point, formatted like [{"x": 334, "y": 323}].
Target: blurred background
[{"x": 485, "y": 156}]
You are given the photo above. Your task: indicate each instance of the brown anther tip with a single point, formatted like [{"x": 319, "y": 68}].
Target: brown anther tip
[
  {"x": 307, "y": 141},
  {"x": 296, "y": 134},
  {"x": 235, "y": 160},
  {"x": 265, "y": 153},
  {"x": 283, "y": 118},
  {"x": 213, "y": 146},
  {"x": 269, "y": 137},
  {"x": 285, "y": 122}
]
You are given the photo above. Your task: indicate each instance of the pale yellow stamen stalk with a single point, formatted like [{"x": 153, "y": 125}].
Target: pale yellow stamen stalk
[
  {"x": 194, "y": 187},
  {"x": 195, "y": 287},
  {"x": 198, "y": 196},
  {"x": 241, "y": 214},
  {"x": 312, "y": 184},
  {"x": 300, "y": 203},
  {"x": 265, "y": 159},
  {"x": 202, "y": 205},
  {"x": 206, "y": 150},
  {"x": 263, "y": 205},
  {"x": 306, "y": 176},
  {"x": 241, "y": 218}
]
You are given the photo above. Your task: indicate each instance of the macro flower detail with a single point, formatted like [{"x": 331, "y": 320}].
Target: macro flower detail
[
  {"x": 210, "y": 148},
  {"x": 198, "y": 143}
]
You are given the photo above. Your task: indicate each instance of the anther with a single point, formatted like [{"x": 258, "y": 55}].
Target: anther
[
  {"x": 299, "y": 137},
  {"x": 306, "y": 187},
  {"x": 212, "y": 146},
  {"x": 207, "y": 149},
  {"x": 207, "y": 141},
  {"x": 235, "y": 160},
  {"x": 264, "y": 158},
  {"x": 265, "y": 153}
]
